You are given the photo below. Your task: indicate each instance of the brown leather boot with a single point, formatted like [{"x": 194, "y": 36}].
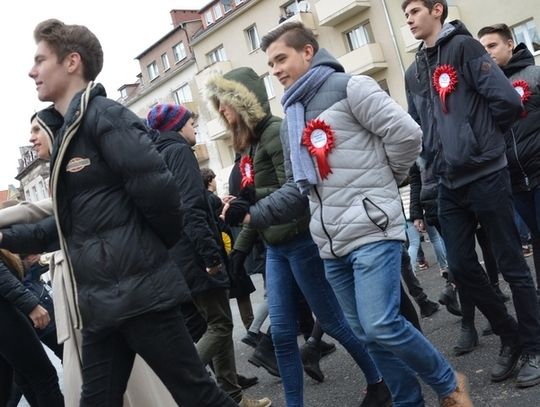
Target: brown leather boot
[{"x": 460, "y": 396}]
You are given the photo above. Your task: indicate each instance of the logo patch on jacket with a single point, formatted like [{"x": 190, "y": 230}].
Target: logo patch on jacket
[{"x": 77, "y": 164}]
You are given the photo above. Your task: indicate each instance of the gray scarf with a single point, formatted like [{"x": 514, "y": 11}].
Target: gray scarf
[{"x": 294, "y": 101}]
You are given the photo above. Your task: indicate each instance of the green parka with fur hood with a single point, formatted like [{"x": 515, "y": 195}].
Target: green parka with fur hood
[{"x": 244, "y": 90}]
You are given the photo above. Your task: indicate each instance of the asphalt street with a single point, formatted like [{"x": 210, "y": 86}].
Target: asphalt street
[{"x": 344, "y": 383}]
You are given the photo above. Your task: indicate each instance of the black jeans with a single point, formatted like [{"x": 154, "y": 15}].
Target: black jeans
[
  {"x": 163, "y": 341},
  {"x": 21, "y": 350},
  {"x": 488, "y": 201}
]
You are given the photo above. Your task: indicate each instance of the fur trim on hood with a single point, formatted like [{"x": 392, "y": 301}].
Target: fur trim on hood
[{"x": 243, "y": 90}]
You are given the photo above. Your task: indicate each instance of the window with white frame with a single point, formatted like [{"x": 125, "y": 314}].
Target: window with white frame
[
  {"x": 238, "y": 2},
  {"x": 123, "y": 93},
  {"x": 179, "y": 51},
  {"x": 291, "y": 8},
  {"x": 182, "y": 95},
  {"x": 165, "y": 61},
  {"x": 153, "y": 72},
  {"x": 359, "y": 36},
  {"x": 269, "y": 86},
  {"x": 216, "y": 55},
  {"x": 528, "y": 34},
  {"x": 209, "y": 17},
  {"x": 253, "y": 38},
  {"x": 218, "y": 13}
]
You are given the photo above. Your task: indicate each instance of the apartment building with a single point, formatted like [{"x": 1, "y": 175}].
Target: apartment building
[
  {"x": 33, "y": 174},
  {"x": 369, "y": 37}
]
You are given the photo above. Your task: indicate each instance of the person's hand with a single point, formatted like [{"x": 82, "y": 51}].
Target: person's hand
[
  {"x": 419, "y": 225},
  {"x": 227, "y": 198},
  {"x": 235, "y": 212},
  {"x": 40, "y": 317},
  {"x": 213, "y": 270}
]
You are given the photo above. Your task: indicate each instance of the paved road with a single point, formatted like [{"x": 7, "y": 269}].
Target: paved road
[{"x": 344, "y": 382}]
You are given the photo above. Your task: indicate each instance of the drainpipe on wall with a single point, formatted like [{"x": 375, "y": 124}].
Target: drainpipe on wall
[{"x": 389, "y": 22}]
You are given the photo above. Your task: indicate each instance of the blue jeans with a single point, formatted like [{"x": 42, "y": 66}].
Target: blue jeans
[
  {"x": 290, "y": 268},
  {"x": 488, "y": 201},
  {"x": 367, "y": 284},
  {"x": 434, "y": 238}
]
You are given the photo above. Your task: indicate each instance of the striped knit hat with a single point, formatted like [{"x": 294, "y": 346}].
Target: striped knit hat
[{"x": 168, "y": 117}]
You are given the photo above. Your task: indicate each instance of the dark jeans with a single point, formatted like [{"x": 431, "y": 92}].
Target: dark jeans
[
  {"x": 21, "y": 350},
  {"x": 528, "y": 206},
  {"x": 488, "y": 201},
  {"x": 163, "y": 341}
]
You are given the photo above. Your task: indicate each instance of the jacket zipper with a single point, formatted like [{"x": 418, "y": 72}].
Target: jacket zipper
[
  {"x": 525, "y": 176},
  {"x": 322, "y": 223}
]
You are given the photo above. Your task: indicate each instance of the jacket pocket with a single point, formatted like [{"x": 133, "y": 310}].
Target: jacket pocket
[
  {"x": 375, "y": 213},
  {"x": 461, "y": 148}
]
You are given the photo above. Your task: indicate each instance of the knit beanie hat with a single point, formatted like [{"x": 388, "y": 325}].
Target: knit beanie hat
[{"x": 168, "y": 117}]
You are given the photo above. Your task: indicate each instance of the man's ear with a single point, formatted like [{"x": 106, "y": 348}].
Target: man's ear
[
  {"x": 309, "y": 52},
  {"x": 73, "y": 62},
  {"x": 437, "y": 10}
]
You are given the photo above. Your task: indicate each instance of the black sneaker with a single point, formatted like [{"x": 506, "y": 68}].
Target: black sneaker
[
  {"x": 529, "y": 372},
  {"x": 246, "y": 382},
  {"x": 377, "y": 395},
  {"x": 251, "y": 339},
  {"x": 506, "y": 363},
  {"x": 326, "y": 348},
  {"x": 428, "y": 308}
]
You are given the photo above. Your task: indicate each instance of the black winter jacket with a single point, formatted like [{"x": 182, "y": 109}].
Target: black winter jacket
[
  {"x": 199, "y": 245},
  {"x": 523, "y": 141},
  {"x": 117, "y": 212},
  {"x": 13, "y": 291},
  {"x": 467, "y": 143}
]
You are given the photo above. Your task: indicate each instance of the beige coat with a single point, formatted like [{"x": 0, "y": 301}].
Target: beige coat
[{"x": 144, "y": 387}]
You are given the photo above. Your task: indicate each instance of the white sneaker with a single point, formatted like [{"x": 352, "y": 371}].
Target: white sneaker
[{"x": 245, "y": 402}]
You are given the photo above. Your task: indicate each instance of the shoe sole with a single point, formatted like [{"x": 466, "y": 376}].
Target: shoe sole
[
  {"x": 529, "y": 383},
  {"x": 463, "y": 351},
  {"x": 507, "y": 375},
  {"x": 249, "y": 343},
  {"x": 246, "y": 386},
  {"x": 256, "y": 363},
  {"x": 313, "y": 374},
  {"x": 328, "y": 351}
]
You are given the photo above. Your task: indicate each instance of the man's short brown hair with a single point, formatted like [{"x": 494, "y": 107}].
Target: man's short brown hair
[
  {"x": 294, "y": 34},
  {"x": 430, "y": 4},
  {"x": 502, "y": 29},
  {"x": 64, "y": 39}
]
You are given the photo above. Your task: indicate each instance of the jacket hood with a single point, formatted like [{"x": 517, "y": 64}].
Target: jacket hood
[
  {"x": 243, "y": 90},
  {"x": 323, "y": 57},
  {"x": 50, "y": 120},
  {"x": 521, "y": 58},
  {"x": 448, "y": 31}
]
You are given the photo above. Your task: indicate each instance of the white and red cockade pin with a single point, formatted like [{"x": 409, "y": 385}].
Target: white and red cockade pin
[
  {"x": 247, "y": 171},
  {"x": 445, "y": 81},
  {"x": 524, "y": 92},
  {"x": 318, "y": 137}
]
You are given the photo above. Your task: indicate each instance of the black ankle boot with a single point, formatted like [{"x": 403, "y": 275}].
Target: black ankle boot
[
  {"x": 264, "y": 356},
  {"x": 468, "y": 340},
  {"x": 504, "y": 297},
  {"x": 377, "y": 395},
  {"x": 449, "y": 298},
  {"x": 428, "y": 308},
  {"x": 311, "y": 356}
]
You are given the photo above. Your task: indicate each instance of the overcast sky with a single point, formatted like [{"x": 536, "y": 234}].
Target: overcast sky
[{"x": 125, "y": 29}]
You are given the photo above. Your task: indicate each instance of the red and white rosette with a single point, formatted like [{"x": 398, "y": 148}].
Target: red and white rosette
[
  {"x": 445, "y": 82},
  {"x": 318, "y": 137},
  {"x": 247, "y": 171},
  {"x": 524, "y": 92}
]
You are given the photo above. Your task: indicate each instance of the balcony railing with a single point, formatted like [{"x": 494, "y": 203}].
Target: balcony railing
[
  {"x": 365, "y": 60},
  {"x": 333, "y": 12},
  {"x": 220, "y": 67}
]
